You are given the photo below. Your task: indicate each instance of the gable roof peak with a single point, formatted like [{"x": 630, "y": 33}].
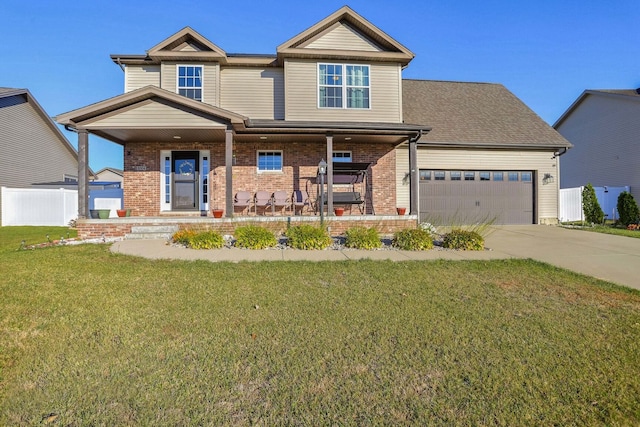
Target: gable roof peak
[
  {"x": 186, "y": 37},
  {"x": 392, "y": 50}
]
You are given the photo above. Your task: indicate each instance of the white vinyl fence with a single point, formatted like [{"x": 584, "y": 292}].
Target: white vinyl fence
[
  {"x": 29, "y": 206},
  {"x": 571, "y": 202}
]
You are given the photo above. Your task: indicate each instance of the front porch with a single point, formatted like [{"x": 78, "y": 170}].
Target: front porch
[{"x": 122, "y": 227}]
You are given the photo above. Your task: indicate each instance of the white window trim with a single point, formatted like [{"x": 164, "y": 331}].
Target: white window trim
[
  {"x": 258, "y": 152},
  {"x": 178, "y": 87},
  {"x": 344, "y": 86}
]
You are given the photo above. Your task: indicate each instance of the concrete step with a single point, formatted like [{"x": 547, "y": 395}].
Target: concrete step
[{"x": 151, "y": 232}]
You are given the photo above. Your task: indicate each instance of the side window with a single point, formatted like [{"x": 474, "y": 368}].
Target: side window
[
  {"x": 269, "y": 161},
  {"x": 342, "y": 156}
]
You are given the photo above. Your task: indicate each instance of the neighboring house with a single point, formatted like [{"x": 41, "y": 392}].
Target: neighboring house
[
  {"x": 109, "y": 175},
  {"x": 32, "y": 148},
  {"x": 198, "y": 125},
  {"x": 604, "y": 128}
]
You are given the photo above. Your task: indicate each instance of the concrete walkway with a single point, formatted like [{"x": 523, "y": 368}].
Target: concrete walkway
[{"x": 612, "y": 258}]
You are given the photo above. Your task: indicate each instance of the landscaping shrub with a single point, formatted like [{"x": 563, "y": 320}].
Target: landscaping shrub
[
  {"x": 463, "y": 239},
  {"x": 308, "y": 237},
  {"x": 590, "y": 206},
  {"x": 254, "y": 237},
  {"x": 413, "y": 239},
  {"x": 183, "y": 236},
  {"x": 198, "y": 240},
  {"x": 362, "y": 238},
  {"x": 627, "y": 209},
  {"x": 206, "y": 240}
]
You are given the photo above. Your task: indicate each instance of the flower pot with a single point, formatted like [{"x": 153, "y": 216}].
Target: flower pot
[
  {"x": 339, "y": 211},
  {"x": 104, "y": 213},
  {"x": 401, "y": 211},
  {"x": 128, "y": 212},
  {"x": 217, "y": 213},
  {"x": 93, "y": 213},
  {"x": 121, "y": 212}
]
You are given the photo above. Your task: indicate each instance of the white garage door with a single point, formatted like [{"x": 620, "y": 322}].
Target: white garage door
[{"x": 450, "y": 197}]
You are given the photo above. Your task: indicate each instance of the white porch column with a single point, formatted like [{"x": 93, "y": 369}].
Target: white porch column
[
  {"x": 329, "y": 174},
  {"x": 228, "y": 162},
  {"x": 83, "y": 173}
]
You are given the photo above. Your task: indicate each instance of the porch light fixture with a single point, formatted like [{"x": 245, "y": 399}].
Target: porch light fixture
[
  {"x": 263, "y": 137},
  {"x": 322, "y": 170},
  {"x": 548, "y": 178},
  {"x": 177, "y": 137},
  {"x": 348, "y": 138}
]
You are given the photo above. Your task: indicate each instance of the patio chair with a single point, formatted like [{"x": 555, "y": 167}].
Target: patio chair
[
  {"x": 300, "y": 199},
  {"x": 261, "y": 200},
  {"x": 280, "y": 201},
  {"x": 242, "y": 201}
]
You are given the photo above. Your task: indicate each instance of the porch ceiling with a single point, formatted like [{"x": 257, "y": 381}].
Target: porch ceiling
[{"x": 181, "y": 135}]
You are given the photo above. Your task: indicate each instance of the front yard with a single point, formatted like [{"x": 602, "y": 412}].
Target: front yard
[{"x": 92, "y": 338}]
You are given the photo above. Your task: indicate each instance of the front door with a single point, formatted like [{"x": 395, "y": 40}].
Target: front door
[{"x": 185, "y": 172}]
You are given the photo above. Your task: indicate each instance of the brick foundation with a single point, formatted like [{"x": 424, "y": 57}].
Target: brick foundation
[{"x": 119, "y": 227}]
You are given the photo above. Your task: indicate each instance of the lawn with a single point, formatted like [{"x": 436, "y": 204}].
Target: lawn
[
  {"x": 88, "y": 337},
  {"x": 606, "y": 229}
]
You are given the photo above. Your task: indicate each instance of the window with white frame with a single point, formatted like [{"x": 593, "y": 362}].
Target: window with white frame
[
  {"x": 190, "y": 81},
  {"x": 342, "y": 156},
  {"x": 343, "y": 86},
  {"x": 269, "y": 161}
]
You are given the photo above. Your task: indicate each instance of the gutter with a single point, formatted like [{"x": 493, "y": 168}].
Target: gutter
[{"x": 558, "y": 153}]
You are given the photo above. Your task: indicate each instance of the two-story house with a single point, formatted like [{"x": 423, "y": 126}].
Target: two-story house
[{"x": 199, "y": 124}]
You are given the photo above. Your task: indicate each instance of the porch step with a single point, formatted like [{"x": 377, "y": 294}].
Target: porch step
[{"x": 151, "y": 232}]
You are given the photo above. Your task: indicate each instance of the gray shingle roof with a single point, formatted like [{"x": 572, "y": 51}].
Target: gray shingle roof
[{"x": 470, "y": 114}]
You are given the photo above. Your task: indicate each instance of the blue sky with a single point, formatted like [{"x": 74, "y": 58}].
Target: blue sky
[{"x": 545, "y": 52}]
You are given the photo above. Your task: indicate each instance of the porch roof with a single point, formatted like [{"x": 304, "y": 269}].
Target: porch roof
[{"x": 154, "y": 114}]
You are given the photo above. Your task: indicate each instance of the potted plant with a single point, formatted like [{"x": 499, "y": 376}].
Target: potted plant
[
  {"x": 104, "y": 213},
  {"x": 217, "y": 213},
  {"x": 121, "y": 212},
  {"x": 338, "y": 211},
  {"x": 401, "y": 211}
]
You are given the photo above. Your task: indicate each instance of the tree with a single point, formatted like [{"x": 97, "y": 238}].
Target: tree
[
  {"x": 590, "y": 206},
  {"x": 627, "y": 209}
]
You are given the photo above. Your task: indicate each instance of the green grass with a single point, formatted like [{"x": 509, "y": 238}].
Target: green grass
[
  {"x": 609, "y": 229},
  {"x": 103, "y": 339}
]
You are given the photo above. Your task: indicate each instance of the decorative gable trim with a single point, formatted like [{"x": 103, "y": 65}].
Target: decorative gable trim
[
  {"x": 301, "y": 46},
  {"x": 187, "y": 44}
]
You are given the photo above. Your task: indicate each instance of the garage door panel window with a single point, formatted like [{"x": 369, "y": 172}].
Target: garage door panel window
[
  {"x": 525, "y": 176},
  {"x": 438, "y": 175},
  {"x": 485, "y": 176},
  {"x": 469, "y": 176},
  {"x": 425, "y": 175},
  {"x": 498, "y": 176},
  {"x": 512, "y": 176},
  {"x": 455, "y": 175}
]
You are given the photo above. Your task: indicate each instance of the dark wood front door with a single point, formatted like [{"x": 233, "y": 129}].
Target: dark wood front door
[{"x": 185, "y": 171}]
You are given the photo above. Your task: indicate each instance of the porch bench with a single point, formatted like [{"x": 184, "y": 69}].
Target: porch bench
[{"x": 347, "y": 198}]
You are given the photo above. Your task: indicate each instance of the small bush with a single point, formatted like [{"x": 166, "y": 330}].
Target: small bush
[
  {"x": 183, "y": 236},
  {"x": 413, "y": 239},
  {"x": 206, "y": 240},
  {"x": 254, "y": 237},
  {"x": 627, "y": 209},
  {"x": 463, "y": 239},
  {"x": 308, "y": 237},
  {"x": 198, "y": 240},
  {"x": 590, "y": 206},
  {"x": 362, "y": 238}
]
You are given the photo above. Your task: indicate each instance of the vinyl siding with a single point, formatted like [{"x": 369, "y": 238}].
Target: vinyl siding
[
  {"x": 507, "y": 160},
  {"x": 604, "y": 131},
  {"x": 137, "y": 76},
  {"x": 210, "y": 83},
  {"x": 30, "y": 151},
  {"x": 151, "y": 114},
  {"x": 257, "y": 93},
  {"x": 301, "y": 94},
  {"x": 342, "y": 36}
]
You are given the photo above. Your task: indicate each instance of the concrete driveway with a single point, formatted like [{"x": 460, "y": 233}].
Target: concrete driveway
[{"x": 612, "y": 258}]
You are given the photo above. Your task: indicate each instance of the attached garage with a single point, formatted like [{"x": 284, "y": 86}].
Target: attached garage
[
  {"x": 464, "y": 197},
  {"x": 487, "y": 158}
]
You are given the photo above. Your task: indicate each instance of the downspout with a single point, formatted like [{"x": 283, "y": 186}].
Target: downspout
[
  {"x": 414, "y": 173},
  {"x": 558, "y": 154}
]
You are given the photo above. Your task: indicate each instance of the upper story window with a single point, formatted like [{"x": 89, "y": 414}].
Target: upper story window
[
  {"x": 190, "y": 81},
  {"x": 343, "y": 86}
]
